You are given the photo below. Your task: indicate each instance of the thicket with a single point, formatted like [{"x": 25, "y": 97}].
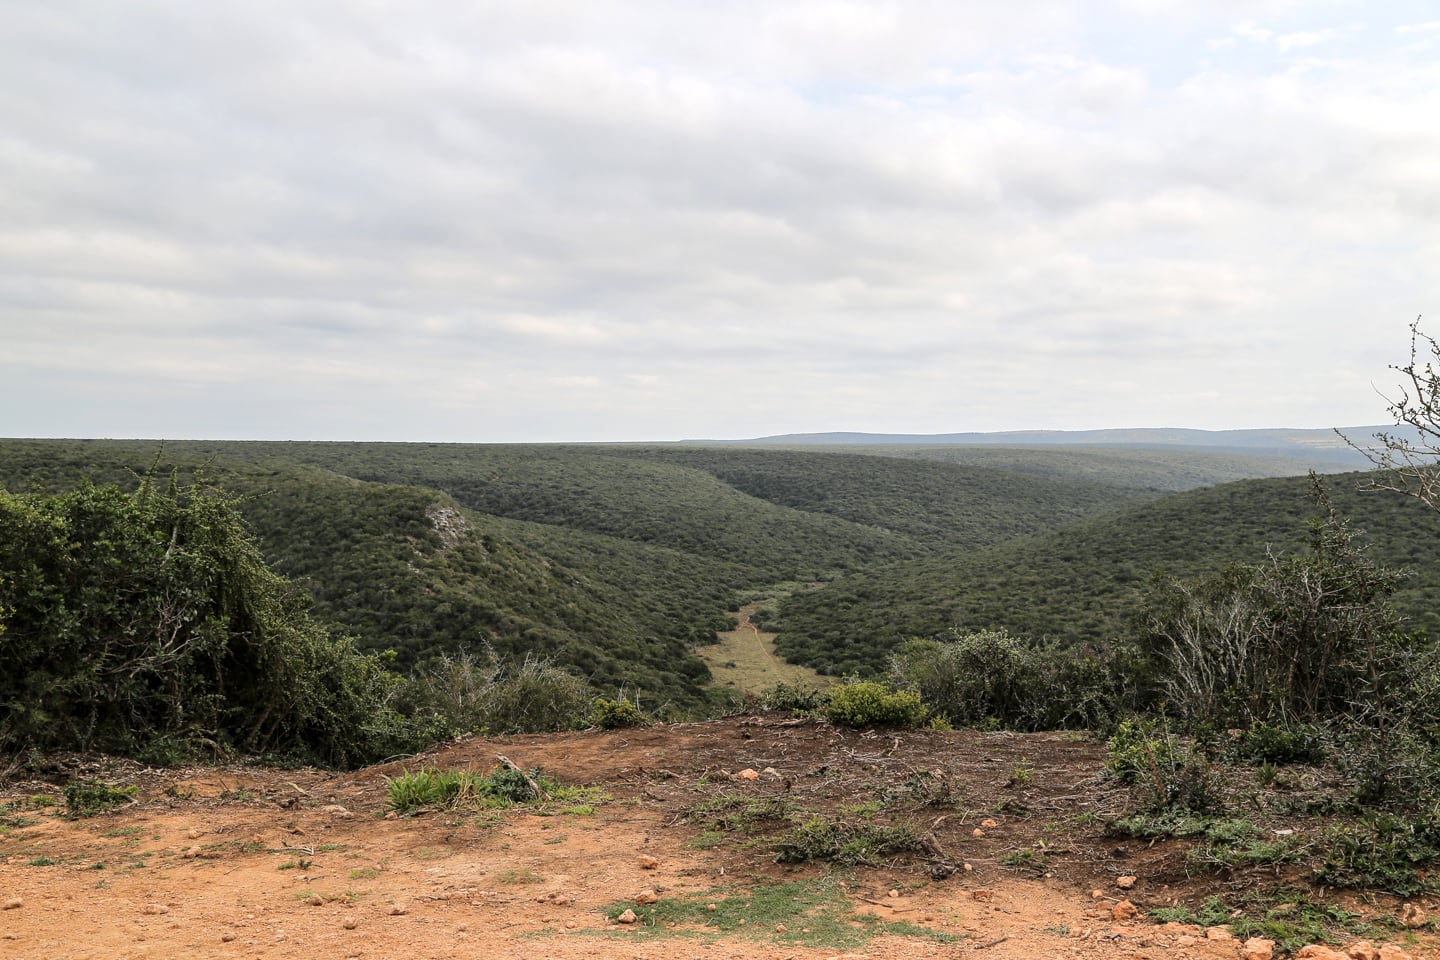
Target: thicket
[{"x": 148, "y": 624}]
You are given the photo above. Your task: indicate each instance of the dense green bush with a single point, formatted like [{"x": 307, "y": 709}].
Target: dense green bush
[
  {"x": 989, "y": 678},
  {"x": 148, "y": 624},
  {"x": 871, "y": 704},
  {"x": 617, "y": 714},
  {"x": 471, "y": 694}
]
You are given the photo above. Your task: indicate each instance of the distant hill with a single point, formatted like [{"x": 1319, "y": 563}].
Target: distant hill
[
  {"x": 1319, "y": 448},
  {"x": 1081, "y": 583}
]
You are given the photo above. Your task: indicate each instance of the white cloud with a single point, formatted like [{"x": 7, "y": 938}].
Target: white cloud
[{"x": 579, "y": 220}]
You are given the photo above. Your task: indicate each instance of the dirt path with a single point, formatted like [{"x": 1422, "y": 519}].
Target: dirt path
[
  {"x": 261, "y": 863},
  {"x": 745, "y": 659}
]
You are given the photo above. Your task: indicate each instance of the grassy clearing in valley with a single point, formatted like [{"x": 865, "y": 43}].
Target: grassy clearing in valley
[{"x": 745, "y": 660}]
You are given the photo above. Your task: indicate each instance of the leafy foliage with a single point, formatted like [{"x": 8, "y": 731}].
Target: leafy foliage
[
  {"x": 866, "y": 703},
  {"x": 149, "y": 622}
]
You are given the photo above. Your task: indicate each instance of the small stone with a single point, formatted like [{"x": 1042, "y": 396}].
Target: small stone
[
  {"x": 1391, "y": 952},
  {"x": 982, "y": 895},
  {"x": 461, "y": 928},
  {"x": 1125, "y": 883},
  {"x": 1412, "y": 916},
  {"x": 315, "y": 900},
  {"x": 227, "y": 937},
  {"x": 1096, "y": 894},
  {"x": 711, "y": 907},
  {"x": 1316, "y": 951},
  {"x": 1257, "y": 948},
  {"x": 647, "y": 862},
  {"x": 1362, "y": 950},
  {"x": 349, "y": 923},
  {"x": 969, "y": 867},
  {"x": 1124, "y": 910},
  {"x": 781, "y": 928},
  {"x": 193, "y": 834},
  {"x": 392, "y": 815},
  {"x": 987, "y": 823},
  {"x": 747, "y": 774},
  {"x": 191, "y": 853},
  {"x": 155, "y": 909},
  {"x": 14, "y": 903},
  {"x": 977, "y": 833},
  {"x": 627, "y": 917},
  {"x": 335, "y": 810},
  {"x": 1219, "y": 933},
  {"x": 771, "y": 772},
  {"x": 893, "y": 894},
  {"x": 646, "y": 896},
  {"x": 398, "y": 909}
]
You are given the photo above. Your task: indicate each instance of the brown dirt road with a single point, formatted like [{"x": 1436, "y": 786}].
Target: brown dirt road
[{"x": 254, "y": 862}]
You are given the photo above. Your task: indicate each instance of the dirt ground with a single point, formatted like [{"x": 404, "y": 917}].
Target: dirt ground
[{"x": 249, "y": 861}]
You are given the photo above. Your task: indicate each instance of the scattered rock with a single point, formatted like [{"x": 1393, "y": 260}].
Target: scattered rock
[
  {"x": 977, "y": 833},
  {"x": 315, "y": 900},
  {"x": 1391, "y": 952},
  {"x": 987, "y": 823},
  {"x": 893, "y": 894},
  {"x": 349, "y": 923},
  {"x": 193, "y": 834},
  {"x": 647, "y": 862},
  {"x": 1362, "y": 950},
  {"x": 711, "y": 907},
  {"x": 627, "y": 917},
  {"x": 1317, "y": 951},
  {"x": 1125, "y": 883},
  {"x": 14, "y": 903},
  {"x": 771, "y": 772},
  {"x": 781, "y": 928},
  {"x": 227, "y": 937},
  {"x": 155, "y": 909},
  {"x": 646, "y": 896},
  {"x": 1219, "y": 933},
  {"x": 969, "y": 867},
  {"x": 1124, "y": 910},
  {"x": 747, "y": 774},
  {"x": 191, "y": 853},
  {"x": 1257, "y": 948},
  {"x": 1096, "y": 894},
  {"x": 1412, "y": 916},
  {"x": 983, "y": 895},
  {"x": 398, "y": 909},
  {"x": 335, "y": 810}
]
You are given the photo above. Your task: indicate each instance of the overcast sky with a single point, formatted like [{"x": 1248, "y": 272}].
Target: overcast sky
[{"x": 596, "y": 220}]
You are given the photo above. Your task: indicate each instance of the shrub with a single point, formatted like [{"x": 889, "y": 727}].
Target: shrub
[
  {"x": 149, "y": 624},
  {"x": 616, "y": 714},
  {"x": 871, "y": 704},
  {"x": 795, "y": 697},
  {"x": 471, "y": 694},
  {"x": 86, "y": 798},
  {"x": 861, "y": 844},
  {"x": 989, "y": 678}
]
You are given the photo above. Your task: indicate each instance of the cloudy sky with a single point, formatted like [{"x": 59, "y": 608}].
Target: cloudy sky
[{"x": 503, "y": 220}]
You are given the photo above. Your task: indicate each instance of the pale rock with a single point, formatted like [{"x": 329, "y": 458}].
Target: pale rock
[
  {"x": 647, "y": 862},
  {"x": 1219, "y": 933},
  {"x": 1125, "y": 883},
  {"x": 772, "y": 773},
  {"x": 1362, "y": 950},
  {"x": 1124, "y": 910},
  {"x": 1096, "y": 894},
  {"x": 627, "y": 917},
  {"x": 987, "y": 823},
  {"x": 227, "y": 937},
  {"x": 977, "y": 833},
  {"x": 14, "y": 903},
  {"x": 982, "y": 895},
  {"x": 191, "y": 853},
  {"x": 781, "y": 928},
  {"x": 398, "y": 909},
  {"x": 646, "y": 896},
  {"x": 747, "y": 774},
  {"x": 335, "y": 810},
  {"x": 315, "y": 900},
  {"x": 1257, "y": 948},
  {"x": 349, "y": 923},
  {"x": 1317, "y": 951},
  {"x": 1391, "y": 952},
  {"x": 155, "y": 909},
  {"x": 1412, "y": 916}
]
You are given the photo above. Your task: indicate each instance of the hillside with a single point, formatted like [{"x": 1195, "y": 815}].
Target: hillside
[{"x": 1082, "y": 582}]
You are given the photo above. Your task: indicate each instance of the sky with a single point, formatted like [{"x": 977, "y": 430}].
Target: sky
[{"x": 646, "y": 220}]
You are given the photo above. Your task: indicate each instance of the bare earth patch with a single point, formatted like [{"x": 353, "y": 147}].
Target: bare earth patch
[{"x": 245, "y": 861}]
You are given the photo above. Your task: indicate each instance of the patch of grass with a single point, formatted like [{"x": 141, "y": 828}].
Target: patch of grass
[
  {"x": 123, "y": 832},
  {"x": 862, "y": 844},
  {"x": 729, "y": 811},
  {"x": 1382, "y": 852},
  {"x": 1025, "y": 860},
  {"x": 86, "y": 798},
  {"x": 707, "y": 840},
  {"x": 520, "y": 875},
  {"x": 814, "y": 914},
  {"x": 295, "y": 864},
  {"x": 364, "y": 873},
  {"x": 431, "y": 788}
]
